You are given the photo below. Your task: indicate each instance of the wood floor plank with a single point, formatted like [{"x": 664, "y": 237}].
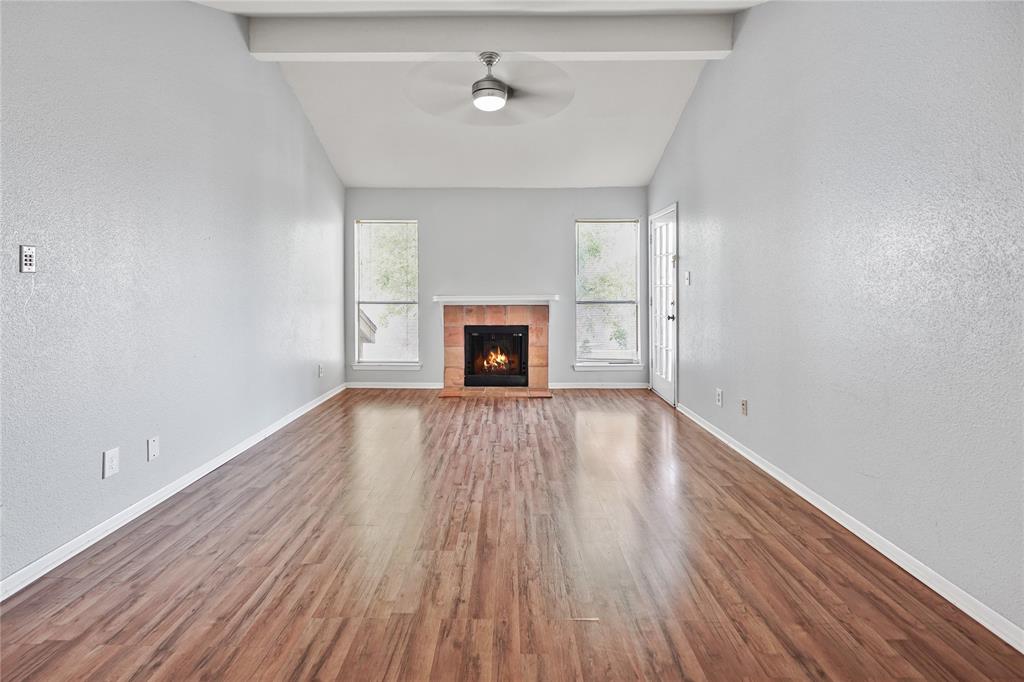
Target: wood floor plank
[{"x": 394, "y": 535}]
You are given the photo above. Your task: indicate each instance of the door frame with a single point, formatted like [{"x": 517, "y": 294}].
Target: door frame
[{"x": 671, "y": 208}]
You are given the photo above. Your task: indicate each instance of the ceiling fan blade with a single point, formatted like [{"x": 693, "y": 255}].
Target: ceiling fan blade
[
  {"x": 540, "y": 103},
  {"x": 443, "y": 78},
  {"x": 522, "y": 94},
  {"x": 535, "y": 74}
]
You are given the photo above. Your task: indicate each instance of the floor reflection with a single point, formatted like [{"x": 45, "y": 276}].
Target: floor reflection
[{"x": 387, "y": 450}]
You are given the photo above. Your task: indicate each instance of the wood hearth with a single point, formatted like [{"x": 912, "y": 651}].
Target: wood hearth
[{"x": 457, "y": 317}]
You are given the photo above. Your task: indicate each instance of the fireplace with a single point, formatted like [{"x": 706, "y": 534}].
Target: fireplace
[
  {"x": 522, "y": 372},
  {"x": 496, "y": 355}
]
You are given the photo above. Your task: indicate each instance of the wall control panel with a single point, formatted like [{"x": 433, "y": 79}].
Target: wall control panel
[{"x": 28, "y": 258}]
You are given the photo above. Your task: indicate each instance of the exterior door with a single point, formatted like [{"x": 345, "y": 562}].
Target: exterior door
[{"x": 662, "y": 264}]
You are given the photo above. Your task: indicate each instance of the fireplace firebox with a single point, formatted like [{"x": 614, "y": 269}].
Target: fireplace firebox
[{"x": 496, "y": 355}]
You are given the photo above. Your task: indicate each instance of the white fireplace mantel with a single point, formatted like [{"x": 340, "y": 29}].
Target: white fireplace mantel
[{"x": 525, "y": 299}]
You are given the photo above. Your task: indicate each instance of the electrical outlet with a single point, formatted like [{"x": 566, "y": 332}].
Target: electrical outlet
[
  {"x": 111, "y": 462},
  {"x": 28, "y": 258},
  {"x": 152, "y": 448},
  {"x": 718, "y": 397},
  {"x": 743, "y": 407},
  {"x": 319, "y": 370}
]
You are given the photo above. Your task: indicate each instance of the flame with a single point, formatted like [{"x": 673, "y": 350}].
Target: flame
[{"x": 496, "y": 359}]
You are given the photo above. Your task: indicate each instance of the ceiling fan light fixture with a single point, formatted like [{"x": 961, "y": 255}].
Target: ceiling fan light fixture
[
  {"x": 489, "y": 93},
  {"x": 489, "y": 98}
]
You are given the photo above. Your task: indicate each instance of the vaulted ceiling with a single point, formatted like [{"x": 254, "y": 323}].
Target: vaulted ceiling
[{"x": 597, "y": 85}]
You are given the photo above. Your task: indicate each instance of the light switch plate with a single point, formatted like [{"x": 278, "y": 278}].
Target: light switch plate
[
  {"x": 111, "y": 462},
  {"x": 152, "y": 448}
]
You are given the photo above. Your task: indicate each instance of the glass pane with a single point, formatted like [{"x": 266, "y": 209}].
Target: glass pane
[
  {"x": 606, "y": 331},
  {"x": 388, "y": 333},
  {"x": 606, "y": 261},
  {"x": 387, "y": 261}
]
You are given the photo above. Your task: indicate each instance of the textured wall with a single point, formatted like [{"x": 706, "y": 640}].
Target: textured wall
[
  {"x": 850, "y": 188},
  {"x": 536, "y": 232},
  {"x": 189, "y": 233}
]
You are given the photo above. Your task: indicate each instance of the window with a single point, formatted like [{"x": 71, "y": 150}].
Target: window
[
  {"x": 387, "y": 292},
  {"x": 607, "y": 281}
]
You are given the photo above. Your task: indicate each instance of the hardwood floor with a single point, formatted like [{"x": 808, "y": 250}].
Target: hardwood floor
[{"x": 598, "y": 535}]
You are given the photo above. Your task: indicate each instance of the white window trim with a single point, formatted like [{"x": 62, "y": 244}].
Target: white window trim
[
  {"x": 396, "y": 366},
  {"x": 408, "y": 365},
  {"x": 597, "y": 365}
]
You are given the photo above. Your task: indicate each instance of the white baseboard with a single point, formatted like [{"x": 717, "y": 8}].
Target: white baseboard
[
  {"x": 35, "y": 570},
  {"x": 998, "y": 624},
  {"x": 430, "y": 385},
  {"x": 392, "y": 384},
  {"x": 584, "y": 384}
]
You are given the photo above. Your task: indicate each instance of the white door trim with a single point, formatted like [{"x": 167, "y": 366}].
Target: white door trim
[{"x": 665, "y": 386}]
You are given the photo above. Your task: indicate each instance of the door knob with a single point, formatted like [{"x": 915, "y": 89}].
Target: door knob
[{"x": 670, "y": 317}]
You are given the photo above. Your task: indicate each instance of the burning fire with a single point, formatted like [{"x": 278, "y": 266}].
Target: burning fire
[{"x": 495, "y": 360}]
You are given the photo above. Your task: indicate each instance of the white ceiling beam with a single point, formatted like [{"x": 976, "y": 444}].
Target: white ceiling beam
[{"x": 556, "y": 38}]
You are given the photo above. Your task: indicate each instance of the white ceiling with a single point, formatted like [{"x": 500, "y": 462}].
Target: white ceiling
[
  {"x": 611, "y": 134},
  {"x": 392, "y": 120}
]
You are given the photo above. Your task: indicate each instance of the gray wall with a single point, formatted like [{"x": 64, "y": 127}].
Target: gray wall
[
  {"x": 850, "y": 191},
  {"x": 189, "y": 233},
  {"x": 537, "y": 256}
]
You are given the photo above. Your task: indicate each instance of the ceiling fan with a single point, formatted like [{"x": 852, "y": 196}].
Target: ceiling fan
[
  {"x": 489, "y": 93},
  {"x": 526, "y": 88}
]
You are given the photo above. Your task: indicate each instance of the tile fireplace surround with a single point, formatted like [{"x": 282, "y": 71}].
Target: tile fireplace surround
[{"x": 456, "y": 317}]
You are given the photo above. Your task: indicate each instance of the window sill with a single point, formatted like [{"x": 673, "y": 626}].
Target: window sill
[
  {"x": 396, "y": 366},
  {"x": 608, "y": 366}
]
